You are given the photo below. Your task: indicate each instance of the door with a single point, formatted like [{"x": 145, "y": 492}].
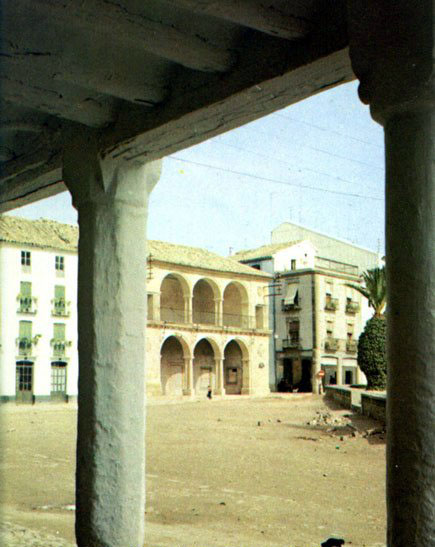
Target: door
[
  {"x": 58, "y": 381},
  {"x": 24, "y": 382}
]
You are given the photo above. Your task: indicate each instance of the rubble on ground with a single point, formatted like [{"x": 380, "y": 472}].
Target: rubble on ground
[{"x": 342, "y": 424}]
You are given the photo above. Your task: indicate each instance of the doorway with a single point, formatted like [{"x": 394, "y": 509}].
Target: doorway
[
  {"x": 58, "y": 381},
  {"x": 24, "y": 382}
]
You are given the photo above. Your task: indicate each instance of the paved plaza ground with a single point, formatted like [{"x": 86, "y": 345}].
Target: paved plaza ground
[{"x": 229, "y": 473}]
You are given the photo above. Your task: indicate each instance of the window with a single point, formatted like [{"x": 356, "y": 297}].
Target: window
[
  {"x": 329, "y": 329},
  {"x": 58, "y": 341},
  {"x": 59, "y": 331},
  {"x": 25, "y": 297},
  {"x": 59, "y": 263},
  {"x": 256, "y": 266},
  {"x": 59, "y": 302},
  {"x": 25, "y": 258},
  {"x": 25, "y": 337},
  {"x": 294, "y": 332},
  {"x": 293, "y": 264}
]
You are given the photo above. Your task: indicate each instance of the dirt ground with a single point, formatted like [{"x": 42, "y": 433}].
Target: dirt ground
[{"x": 229, "y": 473}]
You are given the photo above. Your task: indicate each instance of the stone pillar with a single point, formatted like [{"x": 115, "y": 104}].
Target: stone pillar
[
  {"x": 188, "y": 367},
  {"x": 391, "y": 51},
  {"x": 317, "y": 307},
  {"x": 246, "y": 377},
  {"x": 339, "y": 371},
  {"x": 219, "y": 311},
  {"x": 220, "y": 384},
  {"x": 156, "y": 304},
  {"x": 111, "y": 197},
  {"x": 188, "y": 309}
]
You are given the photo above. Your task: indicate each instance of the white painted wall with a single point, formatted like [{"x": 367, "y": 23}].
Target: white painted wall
[{"x": 43, "y": 277}]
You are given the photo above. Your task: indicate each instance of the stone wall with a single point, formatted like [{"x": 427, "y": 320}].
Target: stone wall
[{"x": 368, "y": 403}]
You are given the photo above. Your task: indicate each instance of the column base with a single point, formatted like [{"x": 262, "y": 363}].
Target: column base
[{"x": 219, "y": 391}]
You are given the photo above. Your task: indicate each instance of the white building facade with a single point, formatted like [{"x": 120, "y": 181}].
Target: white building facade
[
  {"x": 207, "y": 325},
  {"x": 38, "y": 320},
  {"x": 316, "y": 317}
]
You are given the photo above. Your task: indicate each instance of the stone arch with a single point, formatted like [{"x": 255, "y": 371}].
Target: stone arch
[
  {"x": 235, "y": 305},
  {"x": 174, "y": 297},
  {"x": 204, "y": 302},
  {"x": 173, "y": 353},
  {"x": 236, "y": 367},
  {"x": 205, "y": 354}
]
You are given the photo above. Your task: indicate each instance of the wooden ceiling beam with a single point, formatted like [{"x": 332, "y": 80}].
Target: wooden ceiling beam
[
  {"x": 47, "y": 97},
  {"x": 261, "y": 16},
  {"x": 138, "y": 30}
]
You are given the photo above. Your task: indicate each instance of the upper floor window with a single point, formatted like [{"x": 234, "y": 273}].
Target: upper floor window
[
  {"x": 25, "y": 258},
  {"x": 293, "y": 264},
  {"x": 59, "y": 263}
]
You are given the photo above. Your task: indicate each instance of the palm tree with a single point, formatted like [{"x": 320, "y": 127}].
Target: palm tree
[
  {"x": 372, "y": 358},
  {"x": 374, "y": 289}
]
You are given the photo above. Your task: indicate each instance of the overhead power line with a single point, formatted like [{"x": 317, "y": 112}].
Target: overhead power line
[
  {"x": 274, "y": 181},
  {"x": 323, "y": 129}
]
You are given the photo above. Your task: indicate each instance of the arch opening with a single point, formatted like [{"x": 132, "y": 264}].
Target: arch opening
[
  {"x": 172, "y": 367},
  {"x": 172, "y": 299},
  {"x": 235, "y": 306},
  {"x": 204, "y": 367},
  {"x": 233, "y": 368},
  {"x": 203, "y": 303}
]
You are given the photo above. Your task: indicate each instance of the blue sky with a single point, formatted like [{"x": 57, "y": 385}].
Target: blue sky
[{"x": 319, "y": 163}]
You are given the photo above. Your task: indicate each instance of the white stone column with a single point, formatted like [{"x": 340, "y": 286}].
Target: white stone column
[
  {"x": 188, "y": 367},
  {"x": 246, "y": 377},
  {"x": 392, "y": 55},
  {"x": 339, "y": 371},
  {"x": 111, "y": 198},
  {"x": 219, "y": 311},
  {"x": 188, "y": 309},
  {"x": 220, "y": 384}
]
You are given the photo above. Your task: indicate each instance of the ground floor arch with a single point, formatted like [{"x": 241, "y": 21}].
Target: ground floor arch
[
  {"x": 204, "y": 367},
  {"x": 172, "y": 369},
  {"x": 233, "y": 368}
]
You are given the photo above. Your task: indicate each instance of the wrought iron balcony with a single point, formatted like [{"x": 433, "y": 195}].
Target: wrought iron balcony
[
  {"x": 61, "y": 307},
  {"x": 27, "y": 304},
  {"x": 352, "y": 307},
  {"x": 25, "y": 344},
  {"x": 59, "y": 347},
  {"x": 291, "y": 343},
  {"x": 331, "y": 344},
  {"x": 331, "y": 304},
  {"x": 291, "y": 306},
  {"x": 351, "y": 346}
]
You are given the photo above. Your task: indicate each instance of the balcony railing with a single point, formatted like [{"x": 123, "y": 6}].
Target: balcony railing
[
  {"x": 59, "y": 347},
  {"x": 331, "y": 304},
  {"x": 328, "y": 264},
  {"x": 290, "y": 306},
  {"x": 61, "y": 307},
  {"x": 25, "y": 344},
  {"x": 26, "y": 304},
  {"x": 351, "y": 346},
  {"x": 331, "y": 344},
  {"x": 291, "y": 343},
  {"x": 352, "y": 307}
]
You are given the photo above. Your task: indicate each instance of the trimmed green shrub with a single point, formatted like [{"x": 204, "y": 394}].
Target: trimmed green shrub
[{"x": 372, "y": 358}]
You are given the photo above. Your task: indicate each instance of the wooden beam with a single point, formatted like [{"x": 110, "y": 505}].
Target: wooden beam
[
  {"x": 113, "y": 18},
  {"x": 261, "y": 16},
  {"x": 63, "y": 103}
]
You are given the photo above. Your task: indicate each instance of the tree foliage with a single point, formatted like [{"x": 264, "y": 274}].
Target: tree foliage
[
  {"x": 374, "y": 289},
  {"x": 372, "y": 358}
]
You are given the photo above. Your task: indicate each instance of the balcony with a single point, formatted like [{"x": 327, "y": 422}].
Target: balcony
[
  {"x": 291, "y": 306},
  {"x": 25, "y": 344},
  {"x": 331, "y": 304},
  {"x": 352, "y": 307},
  {"x": 61, "y": 307},
  {"x": 351, "y": 346},
  {"x": 291, "y": 343},
  {"x": 331, "y": 344},
  {"x": 26, "y": 304},
  {"x": 59, "y": 347}
]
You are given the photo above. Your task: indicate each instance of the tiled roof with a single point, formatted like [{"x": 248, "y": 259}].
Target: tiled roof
[
  {"x": 265, "y": 251},
  {"x": 198, "y": 258},
  {"x": 43, "y": 233},
  {"x": 54, "y": 235}
]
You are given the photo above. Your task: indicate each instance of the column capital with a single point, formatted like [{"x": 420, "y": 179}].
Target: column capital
[
  {"x": 91, "y": 177},
  {"x": 391, "y": 45}
]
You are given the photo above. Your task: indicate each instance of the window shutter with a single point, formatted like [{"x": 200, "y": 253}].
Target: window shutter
[
  {"x": 26, "y": 329},
  {"x": 26, "y": 288},
  {"x": 59, "y": 331},
  {"x": 59, "y": 291}
]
